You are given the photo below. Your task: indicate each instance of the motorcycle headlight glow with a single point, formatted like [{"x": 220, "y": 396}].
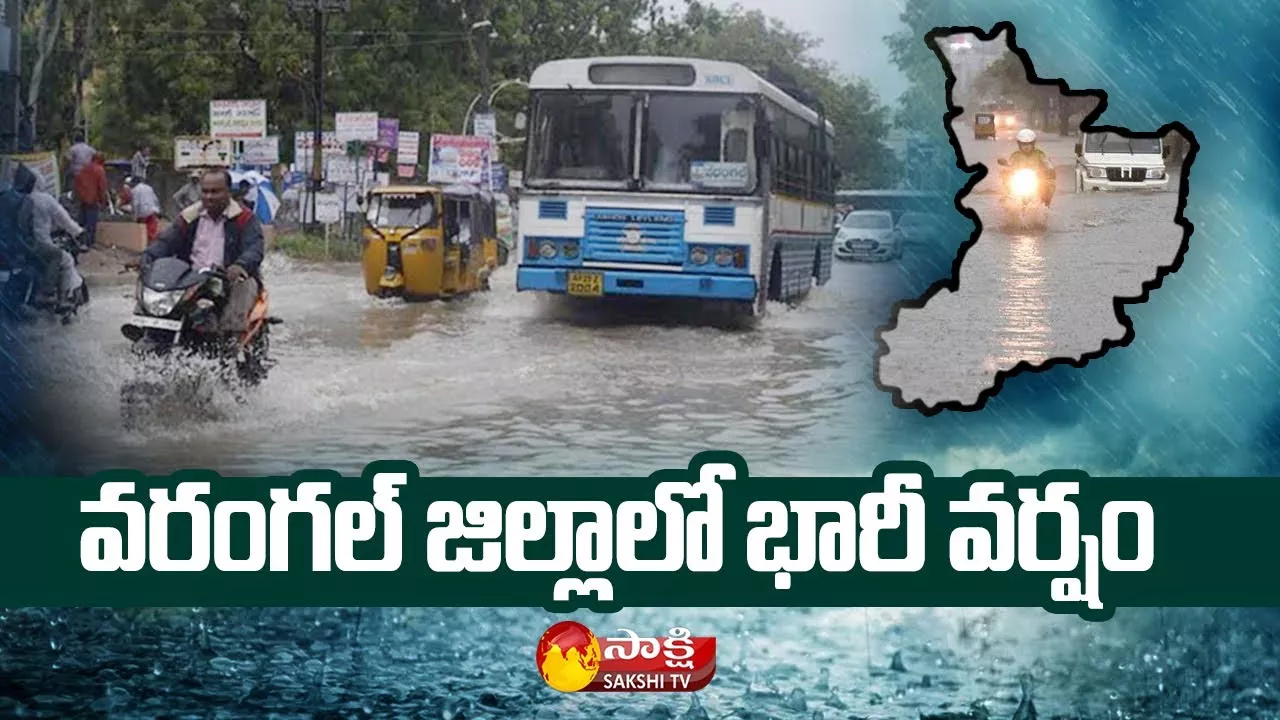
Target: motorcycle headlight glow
[
  {"x": 160, "y": 302},
  {"x": 1024, "y": 183},
  {"x": 547, "y": 249},
  {"x": 698, "y": 256}
]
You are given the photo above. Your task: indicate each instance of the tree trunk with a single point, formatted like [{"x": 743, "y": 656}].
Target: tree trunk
[
  {"x": 46, "y": 38},
  {"x": 84, "y": 32}
]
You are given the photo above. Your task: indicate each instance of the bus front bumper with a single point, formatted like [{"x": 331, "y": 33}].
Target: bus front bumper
[{"x": 599, "y": 283}]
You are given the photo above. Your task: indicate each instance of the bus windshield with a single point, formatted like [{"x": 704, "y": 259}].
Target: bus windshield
[
  {"x": 691, "y": 143},
  {"x": 699, "y": 143},
  {"x": 581, "y": 138},
  {"x": 1112, "y": 143}
]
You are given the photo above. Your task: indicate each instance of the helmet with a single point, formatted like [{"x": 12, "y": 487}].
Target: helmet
[{"x": 1026, "y": 136}]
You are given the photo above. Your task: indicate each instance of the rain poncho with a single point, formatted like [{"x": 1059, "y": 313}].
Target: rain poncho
[{"x": 41, "y": 214}]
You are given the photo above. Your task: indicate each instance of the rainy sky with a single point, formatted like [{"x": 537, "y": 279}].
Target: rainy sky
[{"x": 852, "y": 34}]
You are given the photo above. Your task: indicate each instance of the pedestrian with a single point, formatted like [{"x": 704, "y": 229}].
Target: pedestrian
[
  {"x": 247, "y": 195},
  {"x": 91, "y": 191},
  {"x": 141, "y": 160},
  {"x": 146, "y": 207},
  {"x": 188, "y": 194},
  {"x": 79, "y": 156}
]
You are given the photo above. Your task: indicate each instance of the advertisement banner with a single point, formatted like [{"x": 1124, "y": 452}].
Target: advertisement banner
[
  {"x": 486, "y": 125},
  {"x": 388, "y": 135},
  {"x": 357, "y": 126},
  {"x": 260, "y": 151},
  {"x": 407, "y": 147},
  {"x": 192, "y": 152},
  {"x": 406, "y": 171},
  {"x": 45, "y": 164},
  {"x": 237, "y": 118},
  {"x": 459, "y": 159}
]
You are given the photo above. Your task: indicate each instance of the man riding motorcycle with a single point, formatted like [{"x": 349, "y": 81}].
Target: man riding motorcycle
[
  {"x": 37, "y": 215},
  {"x": 1028, "y": 156},
  {"x": 218, "y": 232}
]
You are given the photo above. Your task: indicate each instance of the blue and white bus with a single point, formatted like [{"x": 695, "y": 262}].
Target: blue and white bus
[{"x": 655, "y": 176}]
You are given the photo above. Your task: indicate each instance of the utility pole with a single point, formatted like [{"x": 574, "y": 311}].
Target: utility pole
[
  {"x": 318, "y": 8},
  {"x": 481, "y": 31}
]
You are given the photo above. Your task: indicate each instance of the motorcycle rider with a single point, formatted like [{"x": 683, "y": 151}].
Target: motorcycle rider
[
  {"x": 1028, "y": 155},
  {"x": 218, "y": 232},
  {"x": 39, "y": 214}
]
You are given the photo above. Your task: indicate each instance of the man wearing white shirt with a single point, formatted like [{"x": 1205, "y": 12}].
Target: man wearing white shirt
[{"x": 146, "y": 207}]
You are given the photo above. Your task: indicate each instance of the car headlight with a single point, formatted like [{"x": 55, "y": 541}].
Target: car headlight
[
  {"x": 570, "y": 251},
  {"x": 698, "y": 256},
  {"x": 160, "y": 302},
  {"x": 724, "y": 256},
  {"x": 1155, "y": 174},
  {"x": 547, "y": 249},
  {"x": 1097, "y": 172}
]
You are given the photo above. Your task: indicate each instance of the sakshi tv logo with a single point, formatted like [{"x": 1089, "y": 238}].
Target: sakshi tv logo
[{"x": 571, "y": 659}]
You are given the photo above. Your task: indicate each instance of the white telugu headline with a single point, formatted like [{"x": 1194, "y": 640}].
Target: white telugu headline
[{"x": 591, "y": 538}]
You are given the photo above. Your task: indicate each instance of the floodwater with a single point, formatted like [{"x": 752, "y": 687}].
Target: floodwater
[
  {"x": 478, "y": 664},
  {"x": 1032, "y": 293},
  {"x": 502, "y": 383}
]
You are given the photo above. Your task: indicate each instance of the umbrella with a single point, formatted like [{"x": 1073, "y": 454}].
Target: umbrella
[{"x": 267, "y": 203}]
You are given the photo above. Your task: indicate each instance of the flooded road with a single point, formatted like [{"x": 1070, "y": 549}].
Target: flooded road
[
  {"x": 503, "y": 383},
  {"x": 1033, "y": 293}
]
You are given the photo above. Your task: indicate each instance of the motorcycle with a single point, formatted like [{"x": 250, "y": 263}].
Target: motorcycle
[
  {"x": 19, "y": 282},
  {"x": 178, "y": 311},
  {"x": 1022, "y": 193}
]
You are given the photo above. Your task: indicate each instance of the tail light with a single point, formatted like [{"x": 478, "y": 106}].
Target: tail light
[{"x": 739, "y": 258}]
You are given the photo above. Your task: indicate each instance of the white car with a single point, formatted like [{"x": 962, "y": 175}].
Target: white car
[
  {"x": 1110, "y": 161},
  {"x": 868, "y": 235}
]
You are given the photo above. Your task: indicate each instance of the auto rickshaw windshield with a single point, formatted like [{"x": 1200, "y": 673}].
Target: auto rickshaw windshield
[{"x": 402, "y": 211}]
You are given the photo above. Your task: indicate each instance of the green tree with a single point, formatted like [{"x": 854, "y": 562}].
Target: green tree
[{"x": 922, "y": 107}]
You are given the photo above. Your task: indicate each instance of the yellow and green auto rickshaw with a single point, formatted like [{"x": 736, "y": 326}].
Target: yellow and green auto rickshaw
[
  {"x": 426, "y": 243},
  {"x": 984, "y": 126}
]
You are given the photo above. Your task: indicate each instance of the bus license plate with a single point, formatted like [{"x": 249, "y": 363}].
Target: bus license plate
[{"x": 586, "y": 284}]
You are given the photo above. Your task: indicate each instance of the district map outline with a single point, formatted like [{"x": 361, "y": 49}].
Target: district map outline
[{"x": 978, "y": 172}]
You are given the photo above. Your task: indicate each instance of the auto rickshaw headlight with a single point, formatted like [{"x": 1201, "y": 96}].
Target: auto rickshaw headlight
[
  {"x": 570, "y": 250},
  {"x": 698, "y": 256},
  {"x": 547, "y": 249},
  {"x": 724, "y": 256}
]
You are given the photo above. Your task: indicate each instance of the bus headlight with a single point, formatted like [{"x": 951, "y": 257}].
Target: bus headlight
[
  {"x": 547, "y": 249},
  {"x": 724, "y": 256},
  {"x": 570, "y": 251},
  {"x": 698, "y": 256}
]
